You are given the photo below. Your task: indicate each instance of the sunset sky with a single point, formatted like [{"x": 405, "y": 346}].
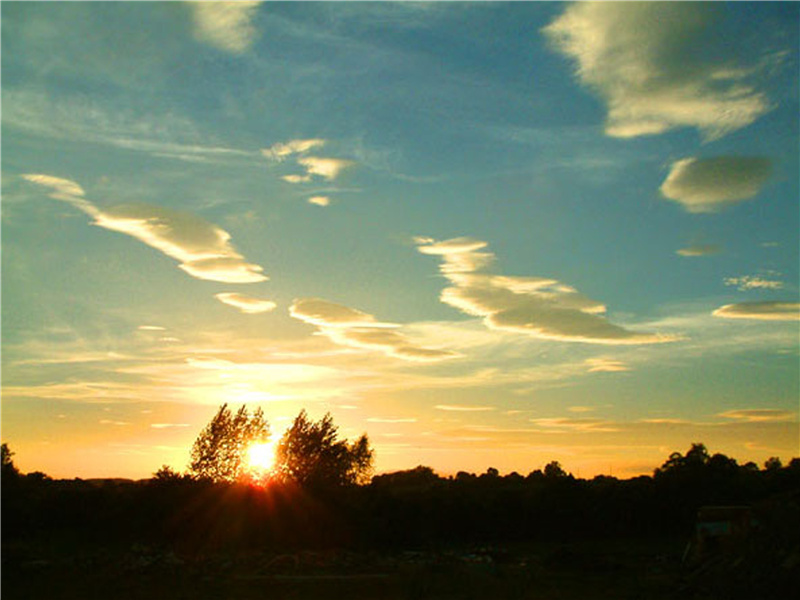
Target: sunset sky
[{"x": 486, "y": 234}]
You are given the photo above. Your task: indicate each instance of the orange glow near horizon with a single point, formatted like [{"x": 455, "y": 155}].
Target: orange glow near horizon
[{"x": 261, "y": 457}]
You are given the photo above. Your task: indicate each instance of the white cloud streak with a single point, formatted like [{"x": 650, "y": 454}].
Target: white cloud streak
[
  {"x": 463, "y": 408},
  {"x": 708, "y": 185},
  {"x": 202, "y": 249},
  {"x": 645, "y": 60},
  {"x": 760, "y": 311},
  {"x": 537, "y": 306}
]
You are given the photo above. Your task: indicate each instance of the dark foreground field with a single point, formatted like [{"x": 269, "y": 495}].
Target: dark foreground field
[
  {"x": 619, "y": 570},
  {"x": 702, "y": 528}
]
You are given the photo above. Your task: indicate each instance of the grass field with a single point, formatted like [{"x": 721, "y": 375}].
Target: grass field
[{"x": 590, "y": 570}]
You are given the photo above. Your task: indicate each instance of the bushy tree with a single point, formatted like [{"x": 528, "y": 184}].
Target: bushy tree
[
  {"x": 311, "y": 454},
  {"x": 220, "y": 451}
]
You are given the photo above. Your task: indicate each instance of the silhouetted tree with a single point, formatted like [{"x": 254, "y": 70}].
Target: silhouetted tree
[
  {"x": 773, "y": 463},
  {"x": 696, "y": 457},
  {"x": 9, "y": 469},
  {"x": 311, "y": 454},
  {"x": 166, "y": 474},
  {"x": 219, "y": 452},
  {"x": 553, "y": 470}
]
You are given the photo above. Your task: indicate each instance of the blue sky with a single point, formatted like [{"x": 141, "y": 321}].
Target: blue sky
[{"x": 485, "y": 233}]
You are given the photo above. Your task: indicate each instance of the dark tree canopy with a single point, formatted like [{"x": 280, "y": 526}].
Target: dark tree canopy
[
  {"x": 311, "y": 454},
  {"x": 220, "y": 451}
]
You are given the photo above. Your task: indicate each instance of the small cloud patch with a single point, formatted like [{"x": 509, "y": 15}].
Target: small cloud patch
[
  {"x": 708, "y": 185},
  {"x": 246, "y": 304}
]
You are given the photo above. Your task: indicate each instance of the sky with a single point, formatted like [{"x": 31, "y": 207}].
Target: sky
[{"x": 487, "y": 234}]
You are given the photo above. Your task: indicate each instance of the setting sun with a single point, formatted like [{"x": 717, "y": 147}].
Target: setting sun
[{"x": 261, "y": 457}]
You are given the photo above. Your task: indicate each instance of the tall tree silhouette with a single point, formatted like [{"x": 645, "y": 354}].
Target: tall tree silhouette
[
  {"x": 311, "y": 454},
  {"x": 219, "y": 452},
  {"x": 9, "y": 469}
]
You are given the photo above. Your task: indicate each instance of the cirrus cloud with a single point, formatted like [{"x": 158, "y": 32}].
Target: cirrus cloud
[{"x": 708, "y": 185}]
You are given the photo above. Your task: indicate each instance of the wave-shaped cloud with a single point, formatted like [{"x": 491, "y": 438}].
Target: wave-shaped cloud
[
  {"x": 706, "y": 185},
  {"x": 246, "y": 304},
  {"x": 645, "y": 59},
  {"x": 350, "y": 327},
  {"x": 202, "y": 249},
  {"x": 538, "y": 306},
  {"x": 760, "y": 311},
  {"x": 225, "y": 25}
]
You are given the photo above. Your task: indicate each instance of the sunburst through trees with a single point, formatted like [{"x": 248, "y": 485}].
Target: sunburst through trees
[{"x": 240, "y": 448}]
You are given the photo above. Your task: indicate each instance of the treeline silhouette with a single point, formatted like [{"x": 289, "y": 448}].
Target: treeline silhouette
[{"x": 416, "y": 508}]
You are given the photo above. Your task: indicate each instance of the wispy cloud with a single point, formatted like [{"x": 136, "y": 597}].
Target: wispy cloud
[
  {"x": 350, "y": 327},
  {"x": 246, "y": 304},
  {"x": 761, "y": 311},
  {"x": 79, "y": 118},
  {"x": 576, "y": 425},
  {"x": 463, "y": 408},
  {"x": 707, "y": 185},
  {"x": 699, "y": 250},
  {"x": 645, "y": 60},
  {"x": 753, "y": 282},
  {"x": 606, "y": 365},
  {"x": 169, "y": 425},
  {"x": 759, "y": 415},
  {"x": 225, "y": 25},
  {"x": 202, "y": 249},
  {"x": 537, "y": 306}
]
